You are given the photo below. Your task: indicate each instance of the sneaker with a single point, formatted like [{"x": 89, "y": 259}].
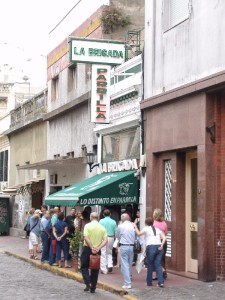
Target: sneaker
[
  {"x": 160, "y": 285},
  {"x": 126, "y": 287}
]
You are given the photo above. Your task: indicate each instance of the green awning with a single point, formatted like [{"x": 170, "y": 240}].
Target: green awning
[{"x": 103, "y": 189}]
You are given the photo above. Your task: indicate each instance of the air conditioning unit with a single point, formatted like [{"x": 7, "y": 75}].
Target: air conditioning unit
[{"x": 3, "y": 186}]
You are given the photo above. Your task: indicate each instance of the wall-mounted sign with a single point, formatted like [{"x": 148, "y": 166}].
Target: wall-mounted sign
[
  {"x": 97, "y": 51},
  {"x": 117, "y": 166},
  {"x": 100, "y": 94}
]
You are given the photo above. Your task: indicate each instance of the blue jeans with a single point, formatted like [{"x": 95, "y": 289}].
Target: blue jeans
[
  {"x": 52, "y": 255},
  {"x": 126, "y": 259},
  {"x": 45, "y": 246},
  {"x": 154, "y": 262}
]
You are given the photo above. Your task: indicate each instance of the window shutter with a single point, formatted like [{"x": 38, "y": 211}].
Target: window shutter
[{"x": 179, "y": 11}]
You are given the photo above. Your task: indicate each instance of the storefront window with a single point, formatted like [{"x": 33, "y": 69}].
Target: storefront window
[{"x": 121, "y": 145}]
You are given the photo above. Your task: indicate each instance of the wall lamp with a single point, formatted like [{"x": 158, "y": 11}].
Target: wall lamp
[{"x": 90, "y": 161}]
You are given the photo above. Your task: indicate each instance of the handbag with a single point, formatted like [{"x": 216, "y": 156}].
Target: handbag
[
  {"x": 94, "y": 263},
  {"x": 137, "y": 247},
  {"x": 27, "y": 227}
]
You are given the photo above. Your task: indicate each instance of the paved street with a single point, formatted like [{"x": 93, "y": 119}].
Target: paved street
[{"x": 20, "y": 280}]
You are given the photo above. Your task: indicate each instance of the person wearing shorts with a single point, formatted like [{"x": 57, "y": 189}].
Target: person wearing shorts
[{"x": 35, "y": 232}]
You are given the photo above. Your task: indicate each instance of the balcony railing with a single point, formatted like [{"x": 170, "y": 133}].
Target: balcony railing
[{"x": 29, "y": 111}]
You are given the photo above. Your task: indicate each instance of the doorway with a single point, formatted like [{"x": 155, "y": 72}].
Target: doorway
[{"x": 191, "y": 212}]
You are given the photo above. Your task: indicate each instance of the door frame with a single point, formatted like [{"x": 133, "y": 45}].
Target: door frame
[{"x": 191, "y": 265}]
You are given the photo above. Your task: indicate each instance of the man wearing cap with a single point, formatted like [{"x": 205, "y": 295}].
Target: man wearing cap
[
  {"x": 35, "y": 232},
  {"x": 95, "y": 237}
]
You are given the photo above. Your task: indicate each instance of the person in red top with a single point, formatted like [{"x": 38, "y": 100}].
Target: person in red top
[{"x": 161, "y": 224}]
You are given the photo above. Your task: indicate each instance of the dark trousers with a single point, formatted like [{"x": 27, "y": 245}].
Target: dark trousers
[
  {"x": 52, "y": 251},
  {"x": 45, "y": 246},
  {"x": 90, "y": 278},
  {"x": 164, "y": 256},
  {"x": 62, "y": 245}
]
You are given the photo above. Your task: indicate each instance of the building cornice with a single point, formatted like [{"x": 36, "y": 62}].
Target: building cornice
[
  {"x": 207, "y": 84},
  {"x": 64, "y": 109}
]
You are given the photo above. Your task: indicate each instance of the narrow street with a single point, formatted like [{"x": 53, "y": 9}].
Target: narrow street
[{"x": 22, "y": 281}]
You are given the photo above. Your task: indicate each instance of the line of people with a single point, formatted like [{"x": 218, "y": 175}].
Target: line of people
[
  {"x": 99, "y": 238},
  {"x": 51, "y": 229}
]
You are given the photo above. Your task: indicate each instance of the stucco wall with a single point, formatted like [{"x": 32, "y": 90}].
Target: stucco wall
[
  {"x": 69, "y": 132},
  {"x": 189, "y": 51},
  {"x": 27, "y": 145}
]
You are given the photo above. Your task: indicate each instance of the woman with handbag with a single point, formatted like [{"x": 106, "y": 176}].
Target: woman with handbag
[
  {"x": 154, "y": 241},
  {"x": 161, "y": 224}
]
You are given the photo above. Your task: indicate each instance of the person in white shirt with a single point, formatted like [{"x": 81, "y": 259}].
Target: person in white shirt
[
  {"x": 154, "y": 241},
  {"x": 126, "y": 236}
]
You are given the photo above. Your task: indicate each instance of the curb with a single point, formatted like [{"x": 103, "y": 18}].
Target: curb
[{"x": 75, "y": 276}]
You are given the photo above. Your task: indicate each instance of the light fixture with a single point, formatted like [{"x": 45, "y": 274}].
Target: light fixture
[{"x": 90, "y": 161}]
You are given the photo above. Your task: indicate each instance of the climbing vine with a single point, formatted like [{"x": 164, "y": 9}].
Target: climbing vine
[{"x": 112, "y": 19}]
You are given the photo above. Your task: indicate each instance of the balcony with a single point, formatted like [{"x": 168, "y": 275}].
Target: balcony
[{"x": 28, "y": 112}]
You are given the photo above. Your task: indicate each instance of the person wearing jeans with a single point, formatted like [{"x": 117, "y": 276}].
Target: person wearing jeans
[
  {"x": 154, "y": 255},
  {"x": 154, "y": 241},
  {"x": 45, "y": 236},
  {"x": 126, "y": 236}
]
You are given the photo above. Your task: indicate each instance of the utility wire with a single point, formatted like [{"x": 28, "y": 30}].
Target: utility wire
[{"x": 65, "y": 16}]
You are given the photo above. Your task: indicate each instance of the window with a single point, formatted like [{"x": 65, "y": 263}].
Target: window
[
  {"x": 87, "y": 72},
  {"x": 121, "y": 145},
  {"x": 72, "y": 78},
  {"x": 168, "y": 189},
  {"x": 175, "y": 12},
  {"x": 4, "y": 165},
  {"x": 55, "y": 88},
  {"x": 168, "y": 201}
]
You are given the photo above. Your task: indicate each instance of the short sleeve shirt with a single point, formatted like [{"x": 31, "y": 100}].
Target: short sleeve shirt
[
  {"x": 95, "y": 232},
  {"x": 150, "y": 238}
]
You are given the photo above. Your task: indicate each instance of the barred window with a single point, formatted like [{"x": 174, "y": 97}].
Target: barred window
[{"x": 168, "y": 189}]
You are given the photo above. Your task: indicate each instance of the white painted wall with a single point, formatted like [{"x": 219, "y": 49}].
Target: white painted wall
[
  {"x": 70, "y": 132},
  {"x": 187, "y": 52}
]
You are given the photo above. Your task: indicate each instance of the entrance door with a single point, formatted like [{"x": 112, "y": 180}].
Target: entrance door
[{"x": 191, "y": 213}]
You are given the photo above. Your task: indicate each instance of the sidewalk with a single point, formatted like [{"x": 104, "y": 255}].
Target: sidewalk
[{"x": 112, "y": 282}]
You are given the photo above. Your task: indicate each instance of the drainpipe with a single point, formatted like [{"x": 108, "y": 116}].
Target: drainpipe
[{"x": 149, "y": 80}]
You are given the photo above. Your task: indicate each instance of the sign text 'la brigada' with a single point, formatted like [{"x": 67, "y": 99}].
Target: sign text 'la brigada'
[
  {"x": 97, "y": 51},
  {"x": 116, "y": 166}
]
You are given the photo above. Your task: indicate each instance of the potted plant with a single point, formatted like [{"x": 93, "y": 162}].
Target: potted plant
[{"x": 75, "y": 241}]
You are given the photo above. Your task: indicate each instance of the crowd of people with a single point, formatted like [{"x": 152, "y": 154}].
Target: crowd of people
[{"x": 101, "y": 236}]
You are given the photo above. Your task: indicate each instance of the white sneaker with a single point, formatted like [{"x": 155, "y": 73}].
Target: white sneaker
[{"x": 126, "y": 286}]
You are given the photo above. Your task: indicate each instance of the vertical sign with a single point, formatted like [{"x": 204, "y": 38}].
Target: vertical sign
[{"x": 100, "y": 94}]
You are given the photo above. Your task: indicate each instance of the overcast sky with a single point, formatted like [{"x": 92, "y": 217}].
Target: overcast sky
[{"x": 25, "y": 27}]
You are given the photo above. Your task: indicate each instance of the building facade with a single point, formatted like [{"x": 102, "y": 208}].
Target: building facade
[
  {"x": 27, "y": 136},
  {"x": 70, "y": 130},
  {"x": 183, "y": 111}
]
